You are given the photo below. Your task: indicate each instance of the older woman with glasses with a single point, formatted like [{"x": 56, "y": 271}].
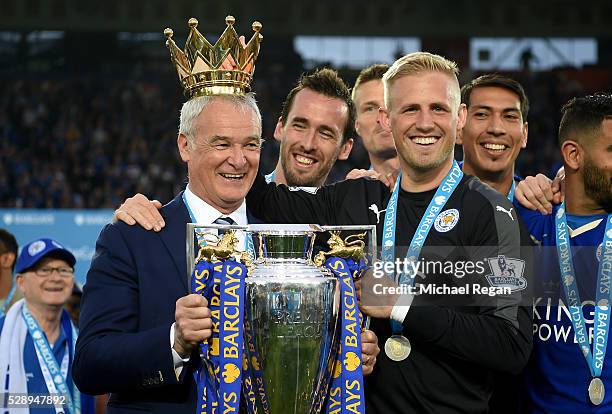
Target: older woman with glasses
[{"x": 37, "y": 336}]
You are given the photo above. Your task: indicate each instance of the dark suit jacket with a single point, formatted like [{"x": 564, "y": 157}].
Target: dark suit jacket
[{"x": 128, "y": 305}]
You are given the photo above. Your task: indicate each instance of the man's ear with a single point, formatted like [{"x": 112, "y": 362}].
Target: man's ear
[
  {"x": 357, "y": 127},
  {"x": 182, "y": 142},
  {"x": 345, "y": 149},
  {"x": 525, "y": 134},
  {"x": 459, "y": 137},
  {"x": 19, "y": 283},
  {"x": 278, "y": 131},
  {"x": 383, "y": 119},
  {"x": 461, "y": 116},
  {"x": 573, "y": 155}
]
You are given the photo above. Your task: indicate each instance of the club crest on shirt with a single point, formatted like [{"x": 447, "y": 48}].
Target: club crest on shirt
[
  {"x": 507, "y": 272},
  {"x": 446, "y": 220}
]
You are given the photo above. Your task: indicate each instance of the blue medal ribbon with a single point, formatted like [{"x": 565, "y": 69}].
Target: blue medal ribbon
[
  {"x": 346, "y": 391},
  {"x": 8, "y": 299},
  {"x": 595, "y": 359},
  {"x": 437, "y": 203},
  {"x": 55, "y": 377},
  {"x": 511, "y": 192}
]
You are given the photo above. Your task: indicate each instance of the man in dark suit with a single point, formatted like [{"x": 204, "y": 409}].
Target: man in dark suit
[{"x": 139, "y": 325}]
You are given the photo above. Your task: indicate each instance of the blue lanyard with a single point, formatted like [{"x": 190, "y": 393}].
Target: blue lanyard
[
  {"x": 437, "y": 203},
  {"x": 249, "y": 246},
  {"x": 55, "y": 378},
  {"x": 511, "y": 192},
  {"x": 595, "y": 359},
  {"x": 270, "y": 177},
  {"x": 8, "y": 299}
]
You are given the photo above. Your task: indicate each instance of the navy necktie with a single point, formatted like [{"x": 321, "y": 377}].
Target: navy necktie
[{"x": 224, "y": 221}]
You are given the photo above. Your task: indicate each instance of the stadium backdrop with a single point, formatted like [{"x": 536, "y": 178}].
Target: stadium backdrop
[{"x": 77, "y": 230}]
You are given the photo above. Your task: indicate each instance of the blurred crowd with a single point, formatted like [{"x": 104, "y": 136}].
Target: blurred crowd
[{"x": 89, "y": 143}]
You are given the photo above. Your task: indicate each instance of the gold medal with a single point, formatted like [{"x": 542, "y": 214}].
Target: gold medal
[
  {"x": 397, "y": 348},
  {"x": 597, "y": 391}
]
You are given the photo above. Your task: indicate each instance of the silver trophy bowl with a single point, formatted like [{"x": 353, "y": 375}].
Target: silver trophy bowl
[{"x": 291, "y": 328}]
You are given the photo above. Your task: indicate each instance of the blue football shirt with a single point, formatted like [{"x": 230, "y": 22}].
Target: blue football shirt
[{"x": 557, "y": 376}]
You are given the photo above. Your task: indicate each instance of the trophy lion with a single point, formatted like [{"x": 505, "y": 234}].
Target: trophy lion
[
  {"x": 344, "y": 249},
  {"x": 224, "y": 249}
]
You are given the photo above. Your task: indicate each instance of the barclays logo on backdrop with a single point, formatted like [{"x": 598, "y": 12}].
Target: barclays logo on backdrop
[
  {"x": 28, "y": 219},
  {"x": 83, "y": 252},
  {"x": 92, "y": 219}
]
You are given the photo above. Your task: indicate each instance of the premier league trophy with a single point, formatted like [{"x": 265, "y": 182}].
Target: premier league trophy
[{"x": 292, "y": 320}]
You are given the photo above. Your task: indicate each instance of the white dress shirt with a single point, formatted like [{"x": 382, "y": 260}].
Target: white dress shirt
[{"x": 204, "y": 213}]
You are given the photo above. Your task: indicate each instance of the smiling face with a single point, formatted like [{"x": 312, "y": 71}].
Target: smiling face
[
  {"x": 51, "y": 290},
  {"x": 424, "y": 116},
  {"x": 597, "y": 167},
  {"x": 311, "y": 138},
  {"x": 494, "y": 131},
  {"x": 368, "y": 97},
  {"x": 223, "y": 158}
]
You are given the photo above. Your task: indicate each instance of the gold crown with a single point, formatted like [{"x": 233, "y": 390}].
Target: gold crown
[{"x": 223, "y": 69}]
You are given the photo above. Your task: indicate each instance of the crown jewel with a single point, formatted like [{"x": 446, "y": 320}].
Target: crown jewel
[{"x": 223, "y": 69}]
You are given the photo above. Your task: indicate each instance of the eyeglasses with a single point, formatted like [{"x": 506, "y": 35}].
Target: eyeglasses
[{"x": 46, "y": 271}]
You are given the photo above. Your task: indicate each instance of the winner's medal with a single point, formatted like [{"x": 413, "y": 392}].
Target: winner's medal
[
  {"x": 595, "y": 361},
  {"x": 397, "y": 348},
  {"x": 597, "y": 391}
]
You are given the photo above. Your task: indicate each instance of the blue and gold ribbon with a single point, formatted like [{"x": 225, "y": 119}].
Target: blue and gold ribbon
[
  {"x": 248, "y": 388},
  {"x": 218, "y": 376},
  {"x": 231, "y": 331},
  {"x": 346, "y": 391},
  {"x": 202, "y": 284},
  {"x": 255, "y": 373}
]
